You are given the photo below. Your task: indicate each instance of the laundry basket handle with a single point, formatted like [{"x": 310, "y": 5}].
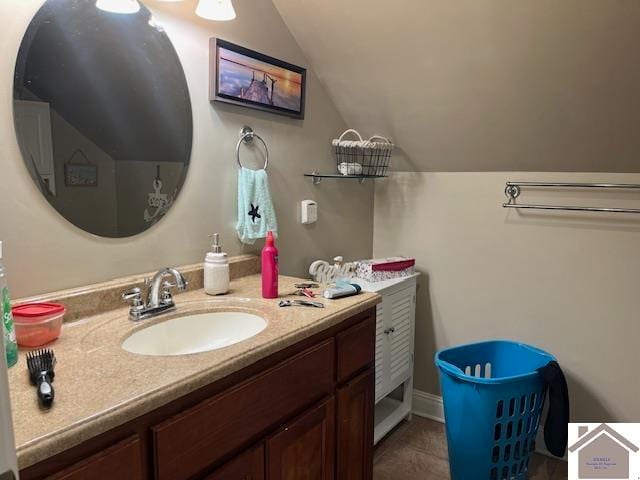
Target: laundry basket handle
[
  {"x": 351, "y": 130},
  {"x": 380, "y": 137}
]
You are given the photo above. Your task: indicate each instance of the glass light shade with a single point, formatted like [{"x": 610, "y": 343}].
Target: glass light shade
[
  {"x": 118, "y": 6},
  {"x": 216, "y": 10}
]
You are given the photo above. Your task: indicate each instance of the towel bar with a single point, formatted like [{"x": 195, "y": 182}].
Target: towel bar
[{"x": 512, "y": 191}]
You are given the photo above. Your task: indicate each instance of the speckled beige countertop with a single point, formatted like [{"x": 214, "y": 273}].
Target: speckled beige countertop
[{"x": 100, "y": 386}]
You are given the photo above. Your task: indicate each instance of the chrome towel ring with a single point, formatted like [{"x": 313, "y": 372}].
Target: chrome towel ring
[{"x": 246, "y": 136}]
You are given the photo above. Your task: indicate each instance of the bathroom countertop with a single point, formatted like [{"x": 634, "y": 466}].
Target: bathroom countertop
[{"x": 100, "y": 386}]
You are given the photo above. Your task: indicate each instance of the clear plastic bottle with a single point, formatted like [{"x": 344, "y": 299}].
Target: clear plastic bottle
[{"x": 10, "y": 344}]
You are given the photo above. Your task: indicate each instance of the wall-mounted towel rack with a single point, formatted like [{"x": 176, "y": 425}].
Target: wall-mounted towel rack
[
  {"x": 512, "y": 191},
  {"x": 246, "y": 136}
]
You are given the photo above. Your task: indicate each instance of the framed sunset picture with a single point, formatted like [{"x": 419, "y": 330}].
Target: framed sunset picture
[{"x": 248, "y": 78}]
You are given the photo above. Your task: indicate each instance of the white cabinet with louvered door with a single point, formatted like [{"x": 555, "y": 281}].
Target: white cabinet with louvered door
[
  {"x": 395, "y": 336},
  {"x": 400, "y": 339}
]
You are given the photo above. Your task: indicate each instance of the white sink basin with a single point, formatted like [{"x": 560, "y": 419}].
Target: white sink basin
[{"x": 196, "y": 333}]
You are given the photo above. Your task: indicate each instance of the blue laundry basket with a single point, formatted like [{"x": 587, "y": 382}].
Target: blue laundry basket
[{"x": 493, "y": 399}]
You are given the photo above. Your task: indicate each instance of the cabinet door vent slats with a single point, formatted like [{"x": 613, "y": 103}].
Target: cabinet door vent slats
[
  {"x": 401, "y": 305},
  {"x": 400, "y": 334},
  {"x": 379, "y": 375},
  {"x": 400, "y": 365},
  {"x": 401, "y": 339},
  {"x": 401, "y": 311},
  {"x": 380, "y": 312},
  {"x": 402, "y": 317},
  {"x": 399, "y": 361}
]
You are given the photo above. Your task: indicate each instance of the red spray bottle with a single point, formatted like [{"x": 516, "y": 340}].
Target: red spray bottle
[{"x": 270, "y": 268}]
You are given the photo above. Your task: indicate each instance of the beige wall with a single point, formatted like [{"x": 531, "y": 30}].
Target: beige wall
[
  {"x": 483, "y": 85},
  {"x": 567, "y": 282},
  {"x": 44, "y": 252}
]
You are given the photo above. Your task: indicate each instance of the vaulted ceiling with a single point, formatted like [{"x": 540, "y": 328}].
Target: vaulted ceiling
[{"x": 483, "y": 85}]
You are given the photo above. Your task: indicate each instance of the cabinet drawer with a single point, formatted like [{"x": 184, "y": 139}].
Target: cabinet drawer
[
  {"x": 123, "y": 460},
  {"x": 195, "y": 439},
  {"x": 356, "y": 348},
  {"x": 246, "y": 466}
]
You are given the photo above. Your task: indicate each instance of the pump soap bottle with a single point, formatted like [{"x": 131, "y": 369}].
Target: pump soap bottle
[
  {"x": 269, "y": 268},
  {"x": 216, "y": 269}
]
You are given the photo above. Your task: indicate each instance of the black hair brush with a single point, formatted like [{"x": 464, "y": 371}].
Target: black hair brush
[{"x": 40, "y": 364}]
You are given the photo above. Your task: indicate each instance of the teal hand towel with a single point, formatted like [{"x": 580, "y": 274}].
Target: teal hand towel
[{"x": 256, "y": 215}]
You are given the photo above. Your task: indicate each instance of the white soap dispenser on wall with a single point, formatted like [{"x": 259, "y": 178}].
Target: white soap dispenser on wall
[{"x": 216, "y": 269}]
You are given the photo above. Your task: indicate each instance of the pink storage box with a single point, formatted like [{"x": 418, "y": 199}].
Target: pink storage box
[{"x": 379, "y": 269}]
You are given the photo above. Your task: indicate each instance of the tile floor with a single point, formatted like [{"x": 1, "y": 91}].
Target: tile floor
[{"x": 417, "y": 450}]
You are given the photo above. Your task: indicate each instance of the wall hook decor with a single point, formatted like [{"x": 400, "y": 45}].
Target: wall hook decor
[
  {"x": 162, "y": 202},
  {"x": 79, "y": 171}
]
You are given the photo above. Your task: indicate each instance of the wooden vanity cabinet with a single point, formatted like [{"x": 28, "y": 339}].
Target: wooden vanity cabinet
[{"x": 304, "y": 413}]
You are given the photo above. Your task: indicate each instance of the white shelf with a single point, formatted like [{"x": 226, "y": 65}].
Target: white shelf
[{"x": 388, "y": 413}]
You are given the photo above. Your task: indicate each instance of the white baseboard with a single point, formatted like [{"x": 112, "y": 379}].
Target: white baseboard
[{"x": 430, "y": 406}]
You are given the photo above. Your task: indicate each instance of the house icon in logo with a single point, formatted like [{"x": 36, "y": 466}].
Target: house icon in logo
[{"x": 602, "y": 453}]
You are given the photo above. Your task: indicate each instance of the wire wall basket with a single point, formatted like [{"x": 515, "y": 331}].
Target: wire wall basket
[{"x": 362, "y": 158}]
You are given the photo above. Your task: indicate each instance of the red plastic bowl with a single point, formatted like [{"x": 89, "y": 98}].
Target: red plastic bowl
[{"x": 37, "y": 324}]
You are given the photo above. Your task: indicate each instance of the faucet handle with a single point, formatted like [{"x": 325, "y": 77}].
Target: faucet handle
[
  {"x": 166, "y": 297},
  {"x": 135, "y": 295},
  {"x": 181, "y": 283}
]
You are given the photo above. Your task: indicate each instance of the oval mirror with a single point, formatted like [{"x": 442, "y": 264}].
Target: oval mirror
[{"x": 102, "y": 115}]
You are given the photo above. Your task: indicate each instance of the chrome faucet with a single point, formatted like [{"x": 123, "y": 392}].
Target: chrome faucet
[
  {"x": 154, "y": 299},
  {"x": 159, "y": 298}
]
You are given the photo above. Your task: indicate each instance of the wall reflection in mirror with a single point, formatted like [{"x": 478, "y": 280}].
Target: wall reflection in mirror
[{"x": 102, "y": 115}]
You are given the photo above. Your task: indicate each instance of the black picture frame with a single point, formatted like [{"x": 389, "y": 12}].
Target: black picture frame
[{"x": 215, "y": 95}]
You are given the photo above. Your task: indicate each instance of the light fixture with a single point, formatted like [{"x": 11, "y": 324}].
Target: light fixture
[
  {"x": 216, "y": 10},
  {"x": 118, "y": 6}
]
